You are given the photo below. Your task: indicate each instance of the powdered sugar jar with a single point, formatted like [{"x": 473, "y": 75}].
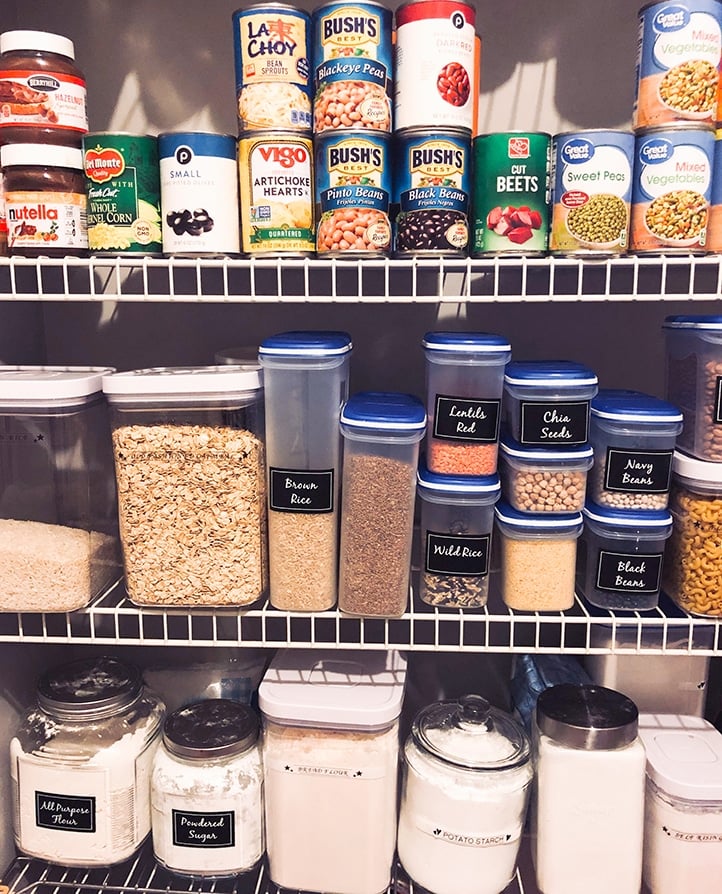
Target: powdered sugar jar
[{"x": 81, "y": 763}]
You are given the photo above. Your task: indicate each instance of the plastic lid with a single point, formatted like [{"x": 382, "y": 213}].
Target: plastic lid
[
  {"x": 586, "y": 716},
  {"x": 541, "y": 521},
  {"x": 306, "y": 344},
  {"x": 468, "y": 732},
  {"x": 43, "y": 41},
  {"x": 549, "y": 372},
  {"x": 51, "y": 383},
  {"x": 465, "y": 342},
  {"x": 349, "y": 689},
  {"x": 684, "y": 755},
  {"x": 628, "y": 518},
  {"x": 693, "y": 469},
  {"x": 41, "y": 155},
  {"x": 633, "y": 406},
  {"x": 693, "y": 321},
  {"x": 242, "y": 355},
  {"x": 385, "y": 411},
  {"x": 97, "y": 686},
  {"x": 214, "y": 727},
  {"x": 473, "y": 485},
  {"x": 511, "y": 447},
  {"x": 223, "y": 379}
]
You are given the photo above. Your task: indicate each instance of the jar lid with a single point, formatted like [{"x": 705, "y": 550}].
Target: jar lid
[
  {"x": 40, "y": 155},
  {"x": 468, "y": 732},
  {"x": 568, "y": 521},
  {"x": 586, "y": 716},
  {"x": 693, "y": 321},
  {"x": 557, "y": 373},
  {"x": 43, "y": 41},
  {"x": 472, "y": 485},
  {"x": 384, "y": 411},
  {"x": 213, "y": 727},
  {"x": 89, "y": 686},
  {"x": 633, "y": 406},
  {"x": 190, "y": 380},
  {"x": 50, "y": 383},
  {"x": 692, "y": 469},
  {"x": 660, "y": 519},
  {"x": 510, "y": 447},
  {"x": 306, "y": 344},
  {"x": 684, "y": 755},
  {"x": 466, "y": 342},
  {"x": 242, "y": 355}
]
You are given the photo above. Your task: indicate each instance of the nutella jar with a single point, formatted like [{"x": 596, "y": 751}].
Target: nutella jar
[
  {"x": 45, "y": 202},
  {"x": 42, "y": 91}
]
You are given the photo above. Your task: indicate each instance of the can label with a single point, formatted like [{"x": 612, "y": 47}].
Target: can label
[
  {"x": 714, "y": 223},
  {"x": 437, "y": 63},
  {"x": 352, "y": 67},
  {"x": 199, "y": 193},
  {"x": 672, "y": 189},
  {"x": 353, "y": 192},
  {"x": 273, "y": 72},
  {"x": 123, "y": 188},
  {"x": 42, "y": 99},
  {"x": 678, "y": 63},
  {"x": 511, "y": 193},
  {"x": 431, "y": 192},
  {"x": 591, "y": 192},
  {"x": 276, "y": 193},
  {"x": 3, "y": 219},
  {"x": 56, "y": 219}
]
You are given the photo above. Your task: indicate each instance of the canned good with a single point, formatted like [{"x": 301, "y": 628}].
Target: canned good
[
  {"x": 432, "y": 181},
  {"x": 714, "y": 220},
  {"x": 199, "y": 193},
  {"x": 352, "y": 66},
  {"x": 273, "y": 71},
  {"x": 122, "y": 182},
  {"x": 591, "y": 192},
  {"x": 437, "y": 65},
  {"x": 353, "y": 191},
  {"x": 678, "y": 63},
  {"x": 510, "y": 195},
  {"x": 276, "y": 193},
  {"x": 672, "y": 190}
]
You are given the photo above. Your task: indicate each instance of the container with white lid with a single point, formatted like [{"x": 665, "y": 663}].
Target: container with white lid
[
  {"x": 683, "y": 812},
  {"x": 58, "y": 516},
  {"x": 330, "y": 750},
  {"x": 189, "y": 462}
]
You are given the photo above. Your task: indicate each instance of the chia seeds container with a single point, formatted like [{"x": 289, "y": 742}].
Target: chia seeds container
[
  {"x": 592, "y": 175},
  {"x": 672, "y": 190},
  {"x": 432, "y": 181},
  {"x": 510, "y": 194}
]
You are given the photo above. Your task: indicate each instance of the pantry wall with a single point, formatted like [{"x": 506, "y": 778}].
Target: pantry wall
[{"x": 162, "y": 66}]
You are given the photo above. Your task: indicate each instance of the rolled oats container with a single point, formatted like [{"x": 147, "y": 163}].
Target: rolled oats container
[{"x": 189, "y": 456}]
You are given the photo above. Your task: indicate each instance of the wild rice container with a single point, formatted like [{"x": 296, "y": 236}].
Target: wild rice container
[
  {"x": 591, "y": 192},
  {"x": 672, "y": 190}
]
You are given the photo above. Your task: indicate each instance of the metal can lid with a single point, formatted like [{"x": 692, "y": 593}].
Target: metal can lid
[
  {"x": 586, "y": 716},
  {"x": 42, "y": 41},
  {"x": 95, "y": 686},
  {"x": 214, "y": 727}
]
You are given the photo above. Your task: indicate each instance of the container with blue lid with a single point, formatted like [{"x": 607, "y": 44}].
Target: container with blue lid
[
  {"x": 546, "y": 402},
  {"x": 694, "y": 381},
  {"x": 621, "y": 555},
  {"x": 633, "y": 436},
  {"x": 381, "y": 434},
  {"x": 457, "y": 518}
]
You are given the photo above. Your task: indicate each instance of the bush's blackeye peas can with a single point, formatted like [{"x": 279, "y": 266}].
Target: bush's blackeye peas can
[
  {"x": 353, "y": 193},
  {"x": 274, "y": 85},
  {"x": 591, "y": 192},
  {"x": 672, "y": 190},
  {"x": 199, "y": 193},
  {"x": 352, "y": 66},
  {"x": 510, "y": 195},
  {"x": 275, "y": 171},
  {"x": 431, "y": 183}
]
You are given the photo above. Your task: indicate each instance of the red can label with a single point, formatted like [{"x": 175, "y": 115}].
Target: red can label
[{"x": 42, "y": 99}]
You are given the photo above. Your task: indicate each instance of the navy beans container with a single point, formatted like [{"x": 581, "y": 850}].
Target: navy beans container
[{"x": 546, "y": 402}]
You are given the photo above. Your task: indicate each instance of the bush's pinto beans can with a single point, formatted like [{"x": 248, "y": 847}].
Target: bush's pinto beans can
[
  {"x": 672, "y": 190},
  {"x": 591, "y": 192},
  {"x": 431, "y": 183},
  {"x": 199, "y": 193},
  {"x": 353, "y": 193},
  {"x": 275, "y": 171},
  {"x": 274, "y": 85},
  {"x": 437, "y": 56},
  {"x": 714, "y": 224},
  {"x": 510, "y": 195},
  {"x": 352, "y": 66},
  {"x": 680, "y": 42}
]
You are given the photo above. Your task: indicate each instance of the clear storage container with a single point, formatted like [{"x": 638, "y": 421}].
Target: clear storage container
[
  {"x": 633, "y": 436},
  {"x": 546, "y": 402},
  {"x": 58, "y": 515},
  {"x": 381, "y": 432},
  {"x": 693, "y": 375},
  {"x": 464, "y": 384},
  {"x": 306, "y": 380},
  {"x": 457, "y": 519},
  {"x": 620, "y": 556},
  {"x": 330, "y": 752},
  {"x": 190, "y": 467}
]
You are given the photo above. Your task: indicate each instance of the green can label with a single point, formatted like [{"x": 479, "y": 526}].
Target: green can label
[
  {"x": 510, "y": 194},
  {"x": 122, "y": 182}
]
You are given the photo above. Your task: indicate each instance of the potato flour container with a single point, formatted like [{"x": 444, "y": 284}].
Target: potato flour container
[
  {"x": 330, "y": 752},
  {"x": 466, "y": 777}
]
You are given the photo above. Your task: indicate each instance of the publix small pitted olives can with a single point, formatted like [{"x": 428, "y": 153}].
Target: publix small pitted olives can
[{"x": 510, "y": 195}]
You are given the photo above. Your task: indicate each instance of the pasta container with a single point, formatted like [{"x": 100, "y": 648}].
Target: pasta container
[{"x": 58, "y": 512}]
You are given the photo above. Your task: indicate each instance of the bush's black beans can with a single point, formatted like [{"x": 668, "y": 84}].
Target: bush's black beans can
[
  {"x": 199, "y": 193},
  {"x": 352, "y": 65},
  {"x": 353, "y": 193},
  {"x": 511, "y": 194},
  {"x": 431, "y": 183},
  {"x": 274, "y": 84}
]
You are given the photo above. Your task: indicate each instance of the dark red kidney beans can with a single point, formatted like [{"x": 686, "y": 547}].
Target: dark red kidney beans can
[
  {"x": 511, "y": 194},
  {"x": 431, "y": 183}
]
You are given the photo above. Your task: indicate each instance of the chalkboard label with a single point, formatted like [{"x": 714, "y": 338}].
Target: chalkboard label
[
  {"x": 191, "y": 829},
  {"x": 455, "y": 554},
  {"x": 638, "y": 472},
  {"x": 64, "y": 813},
  {"x": 465, "y": 419},
  {"x": 558, "y": 424},
  {"x": 629, "y": 573},
  {"x": 307, "y": 491},
  {"x": 717, "y": 416}
]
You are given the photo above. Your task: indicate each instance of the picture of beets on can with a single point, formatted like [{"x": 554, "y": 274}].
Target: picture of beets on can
[
  {"x": 517, "y": 224},
  {"x": 453, "y": 84}
]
